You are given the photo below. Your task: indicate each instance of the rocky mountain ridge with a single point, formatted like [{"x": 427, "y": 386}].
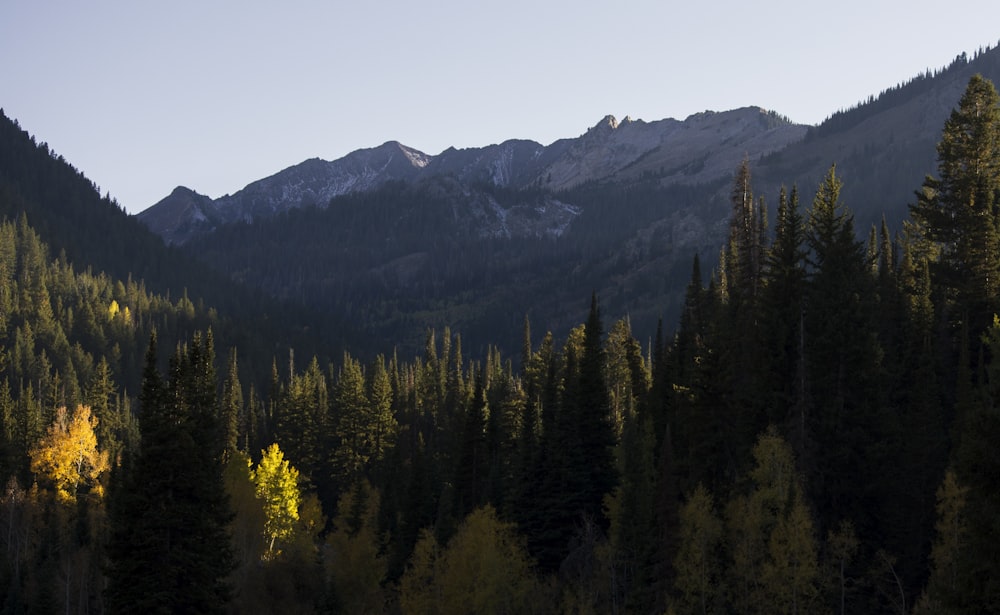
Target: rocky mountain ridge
[
  {"x": 700, "y": 149},
  {"x": 460, "y": 239}
]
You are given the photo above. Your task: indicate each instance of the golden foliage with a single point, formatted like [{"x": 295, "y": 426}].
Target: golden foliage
[
  {"x": 67, "y": 457},
  {"x": 277, "y": 486}
]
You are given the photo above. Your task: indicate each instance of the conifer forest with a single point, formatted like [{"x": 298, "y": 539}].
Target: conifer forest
[{"x": 818, "y": 432}]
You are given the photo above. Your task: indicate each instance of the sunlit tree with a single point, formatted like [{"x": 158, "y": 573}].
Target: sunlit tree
[
  {"x": 67, "y": 456},
  {"x": 277, "y": 486}
]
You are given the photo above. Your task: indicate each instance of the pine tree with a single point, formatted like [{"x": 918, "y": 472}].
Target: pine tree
[
  {"x": 169, "y": 550},
  {"x": 744, "y": 254},
  {"x": 740, "y": 374},
  {"x": 843, "y": 370},
  {"x": 959, "y": 210},
  {"x": 589, "y": 413},
  {"x": 471, "y": 473},
  {"x": 351, "y": 455},
  {"x": 231, "y": 411},
  {"x": 575, "y": 468},
  {"x": 782, "y": 315},
  {"x": 977, "y": 469},
  {"x": 383, "y": 427}
]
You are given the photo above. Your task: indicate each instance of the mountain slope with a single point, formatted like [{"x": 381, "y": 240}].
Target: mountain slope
[
  {"x": 93, "y": 234},
  {"x": 882, "y": 148},
  {"x": 701, "y": 149},
  {"x": 463, "y": 244}
]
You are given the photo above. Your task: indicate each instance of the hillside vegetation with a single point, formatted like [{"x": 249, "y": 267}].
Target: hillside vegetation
[{"x": 817, "y": 434}]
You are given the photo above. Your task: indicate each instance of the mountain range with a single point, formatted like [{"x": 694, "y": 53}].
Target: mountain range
[
  {"x": 698, "y": 150},
  {"x": 394, "y": 241},
  {"x": 397, "y": 241}
]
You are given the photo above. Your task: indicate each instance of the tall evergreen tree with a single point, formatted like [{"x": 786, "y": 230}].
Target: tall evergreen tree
[
  {"x": 959, "y": 210},
  {"x": 744, "y": 254},
  {"x": 590, "y": 412},
  {"x": 471, "y": 475},
  {"x": 170, "y": 551},
  {"x": 575, "y": 464},
  {"x": 843, "y": 366},
  {"x": 978, "y": 471},
  {"x": 782, "y": 314},
  {"x": 234, "y": 421}
]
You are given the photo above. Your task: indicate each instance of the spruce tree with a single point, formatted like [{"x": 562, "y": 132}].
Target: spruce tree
[
  {"x": 232, "y": 415},
  {"x": 959, "y": 209},
  {"x": 575, "y": 464},
  {"x": 169, "y": 550},
  {"x": 596, "y": 471},
  {"x": 978, "y": 470},
  {"x": 843, "y": 369},
  {"x": 782, "y": 313}
]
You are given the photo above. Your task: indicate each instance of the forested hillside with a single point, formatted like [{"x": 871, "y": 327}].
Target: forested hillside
[
  {"x": 404, "y": 258},
  {"x": 95, "y": 236},
  {"x": 817, "y": 435},
  {"x": 430, "y": 251}
]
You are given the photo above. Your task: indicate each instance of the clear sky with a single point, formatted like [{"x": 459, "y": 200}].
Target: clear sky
[{"x": 214, "y": 94}]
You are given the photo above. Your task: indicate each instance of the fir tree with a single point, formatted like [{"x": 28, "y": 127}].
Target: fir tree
[
  {"x": 843, "y": 368},
  {"x": 170, "y": 550},
  {"x": 959, "y": 210},
  {"x": 782, "y": 315}
]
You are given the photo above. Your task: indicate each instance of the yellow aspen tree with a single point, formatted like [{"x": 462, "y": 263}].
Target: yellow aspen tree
[
  {"x": 67, "y": 457},
  {"x": 277, "y": 486}
]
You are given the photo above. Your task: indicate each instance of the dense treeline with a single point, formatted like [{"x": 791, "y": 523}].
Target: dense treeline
[
  {"x": 404, "y": 258},
  {"x": 817, "y": 435}
]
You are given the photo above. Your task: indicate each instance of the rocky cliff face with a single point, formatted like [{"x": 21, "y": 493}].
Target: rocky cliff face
[{"x": 700, "y": 149}]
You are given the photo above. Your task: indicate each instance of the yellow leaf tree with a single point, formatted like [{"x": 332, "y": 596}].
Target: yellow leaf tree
[
  {"x": 67, "y": 457},
  {"x": 277, "y": 486}
]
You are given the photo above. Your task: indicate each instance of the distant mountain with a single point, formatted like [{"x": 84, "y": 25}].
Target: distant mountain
[
  {"x": 701, "y": 149},
  {"x": 397, "y": 241}
]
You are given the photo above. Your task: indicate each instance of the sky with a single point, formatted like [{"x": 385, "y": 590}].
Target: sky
[{"x": 214, "y": 94}]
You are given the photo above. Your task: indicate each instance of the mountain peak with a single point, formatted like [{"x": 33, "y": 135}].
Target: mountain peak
[
  {"x": 611, "y": 149},
  {"x": 609, "y": 123},
  {"x": 183, "y": 191}
]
